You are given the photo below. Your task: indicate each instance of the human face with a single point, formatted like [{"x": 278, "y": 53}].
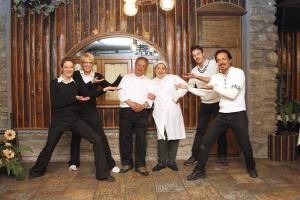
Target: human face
[
  {"x": 140, "y": 67},
  {"x": 87, "y": 66},
  {"x": 68, "y": 69},
  {"x": 198, "y": 56},
  {"x": 223, "y": 62},
  {"x": 160, "y": 70}
]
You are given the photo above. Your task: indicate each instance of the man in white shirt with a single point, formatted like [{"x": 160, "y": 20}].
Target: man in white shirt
[
  {"x": 133, "y": 93},
  {"x": 203, "y": 70},
  {"x": 230, "y": 85}
]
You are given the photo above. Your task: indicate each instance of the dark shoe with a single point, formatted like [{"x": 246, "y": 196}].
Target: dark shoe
[
  {"x": 252, "y": 173},
  {"x": 190, "y": 161},
  {"x": 109, "y": 178},
  {"x": 158, "y": 167},
  {"x": 173, "y": 167},
  {"x": 33, "y": 175},
  {"x": 223, "y": 160},
  {"x": 142, "y": 171},
  {"x": 196, "y": 174},
  {"x": 125, "y": 168}
]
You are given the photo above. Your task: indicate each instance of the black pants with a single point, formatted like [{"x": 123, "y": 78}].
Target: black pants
[
  {"x": 57, "y": 127},
  {"x": 167, "y": 151},
  {"x": 207, "y": 112},
  {"x": 238, "y": 121},
  {"x": 131, "y": 122},
  {"x": 91, "y": 117}
]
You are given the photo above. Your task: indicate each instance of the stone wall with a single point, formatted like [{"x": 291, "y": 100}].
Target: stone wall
[
  {"x": 4, "y": 63},
  {"x": 262, "y": 71},
  {"x": 37, "y": 139}
]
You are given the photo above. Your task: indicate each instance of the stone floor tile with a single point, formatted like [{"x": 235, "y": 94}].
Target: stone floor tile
[{"x": 182, "y": 195}]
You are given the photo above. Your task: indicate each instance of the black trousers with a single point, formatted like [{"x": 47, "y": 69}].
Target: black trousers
[
  {"x": 167, "y": 151},
  {"x": 238, "y": 121},
  {"x": 57, "y": 127},
  {"x": 91, "y": 117},
  {"x": 207, "y": 112},
  {"x": 131, "y": 122}
]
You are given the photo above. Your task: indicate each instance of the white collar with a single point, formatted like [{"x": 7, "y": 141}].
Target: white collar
[
  {"x": 61, "y": 79},
  {"x": 92, "y": 74}
]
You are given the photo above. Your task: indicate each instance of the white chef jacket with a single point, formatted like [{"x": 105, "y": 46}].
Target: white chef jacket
[{"x": 167, "y": 112}]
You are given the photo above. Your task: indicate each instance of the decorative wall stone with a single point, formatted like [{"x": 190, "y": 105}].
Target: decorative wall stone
[
  {"x": 4, "y": 58},
  {"x": 262, "y": 94}
]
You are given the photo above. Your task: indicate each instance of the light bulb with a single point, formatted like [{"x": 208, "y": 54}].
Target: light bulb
[{"x": 167, "y": 5}]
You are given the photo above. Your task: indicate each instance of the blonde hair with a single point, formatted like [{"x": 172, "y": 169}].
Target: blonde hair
[{"x": 87, "y": 56}]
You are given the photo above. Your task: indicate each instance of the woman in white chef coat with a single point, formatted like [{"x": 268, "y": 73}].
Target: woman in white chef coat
[{"x": 167, "y": 116}]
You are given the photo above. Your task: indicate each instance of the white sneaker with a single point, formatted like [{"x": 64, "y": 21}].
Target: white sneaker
[
  {"x": 72, "y": 168},
  {"x": 115, "y": 169}
]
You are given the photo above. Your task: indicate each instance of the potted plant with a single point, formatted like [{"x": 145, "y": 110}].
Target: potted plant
[
  {"x": 10, "y": 159},
  {"x": 283, "y": 144}
]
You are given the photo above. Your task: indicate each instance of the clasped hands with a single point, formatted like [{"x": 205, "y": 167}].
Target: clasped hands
[{"x": 184, "y": 86}]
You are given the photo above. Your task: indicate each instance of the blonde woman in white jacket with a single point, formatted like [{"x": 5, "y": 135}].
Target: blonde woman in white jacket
[{"x": 167, "y": 116}]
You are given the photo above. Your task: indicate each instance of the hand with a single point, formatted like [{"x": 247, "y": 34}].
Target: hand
[
  {"x": 96, "y": 80},
  {"x": 151, "y": 96},
  {"x": 181, "y": 86},
  {"x": 207, "y": 87},
  {"x": 123, "y": 74},
  {"x": 138, "y": 107},
  {"x": 190, "y": 75},
  {"x": 110, "y": 88},
  {"x": 81, "y": 98}
]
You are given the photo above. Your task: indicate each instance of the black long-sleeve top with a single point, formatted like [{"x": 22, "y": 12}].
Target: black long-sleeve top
[
  {"x": 93, "y": 87},
  {"x": 63, "y": 98}
]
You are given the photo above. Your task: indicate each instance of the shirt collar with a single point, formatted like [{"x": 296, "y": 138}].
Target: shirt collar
[
  {"x": 92, "y": 74},
  {"x": 61, "y": 79}
]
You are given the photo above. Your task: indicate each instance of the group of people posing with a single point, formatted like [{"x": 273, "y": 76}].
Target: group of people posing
[{"x": 220, "y": 86}]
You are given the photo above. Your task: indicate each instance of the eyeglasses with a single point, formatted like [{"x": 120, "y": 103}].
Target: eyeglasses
[{"x": 87, "y": 63}]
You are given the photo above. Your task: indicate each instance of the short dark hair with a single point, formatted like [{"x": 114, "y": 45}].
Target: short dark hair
[
  {"x": 195, "y": 47},
  {"x": 223, "y": 51},
  {"x": 142, "y": 58},
  {"x": 66, "y": 59}
]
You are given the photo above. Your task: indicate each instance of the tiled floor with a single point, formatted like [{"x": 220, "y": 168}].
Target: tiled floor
[{"x": 276, "y": 181}]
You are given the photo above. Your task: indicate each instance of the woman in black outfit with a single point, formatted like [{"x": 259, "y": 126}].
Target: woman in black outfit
[
  {"x": 88, "y": 110},
  {"x": 65, "y": 96}
]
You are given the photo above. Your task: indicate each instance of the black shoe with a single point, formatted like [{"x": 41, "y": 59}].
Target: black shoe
[
  {"x": 223, "y": 160},
  {"x": 173, "y": 167},
  {"x": 196, "y": 174},
  {"x": 252, "y": 173},
  {"x": 158, "y": 167},
  {"x": 33, "y": 175},
  {"x": 190, "y": 161},
  {"x": 142, "y": 171},
  {"x": 125, "y": 168},
  {"x": 109, "y": 178}
]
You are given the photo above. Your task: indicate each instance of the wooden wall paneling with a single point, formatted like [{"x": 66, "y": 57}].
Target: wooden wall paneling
[
  {"x": 293, "y": 55},
  {"x": 298, "y": 66},
  {"x": 20, "y": 72},
  {"x": 39, "y": 71},
  {"x": 123, "y": 18},
  {"x": 107, "y": 16},
  {"x": 118, "y": 14},
  {"x": 170, "y": 39},
  {"x": 85, "y": 18},
  {"x": 112, "y": 13},
  {"x": 146, "y": 23},
  {"x": 60, "y": 35},
  {"x": 153, "y": 25},
  {"x": 46, "y": 70},
  {"x": 162, "y": 32},
  {"x": 130, "y": 24},
  {"x": 101, "y": 15},
  {"x": 94, "y": 16},
  {"x": 77, "y": 20},
  {"x": 139, "y": 23},
  {"x": 53, "y": 47},
  {"x": 70, "y": 28},
  {"x": 27, "y": 77},
  {"x": 177, "y": 48},
  {"x": 32, "y": 70},
  {"x": 14, "y": 55},
  {"x": 108, "y": 117}
]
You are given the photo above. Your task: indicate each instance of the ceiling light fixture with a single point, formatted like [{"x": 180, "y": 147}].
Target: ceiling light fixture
[{"x": 167, "y": 5}]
